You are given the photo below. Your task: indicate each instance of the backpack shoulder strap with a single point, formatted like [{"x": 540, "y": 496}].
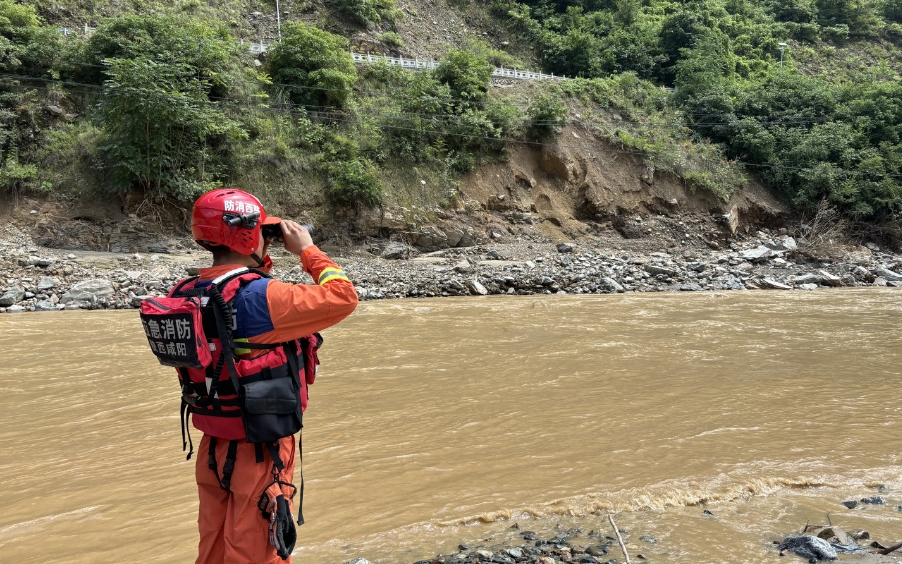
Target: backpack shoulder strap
[
  {"x": 229, "y": 283},
  {"x": 182, "y": 286}
]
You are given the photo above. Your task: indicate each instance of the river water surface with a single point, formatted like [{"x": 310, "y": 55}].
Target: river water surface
[{"x": 435, "y": 422}]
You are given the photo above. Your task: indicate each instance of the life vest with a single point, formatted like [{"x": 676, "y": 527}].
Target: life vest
[{"x": 229, "y": 394}]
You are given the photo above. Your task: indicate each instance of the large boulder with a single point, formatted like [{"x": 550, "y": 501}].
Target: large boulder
[
  {"x": 12, "y": 296},
  {"x": 810, "y": 547},
  {"x": 772, "y": 284},
  {"x": 758, "y": 254},
  {"x": 656, "y": 270},
  {"x": 87, "y": 292},
  {"x": 476, "y": 288},
  {"x": 431, "y": 236},
  {"x": 816, "y": 279},
  {"x": 887, "y": 274},
  {"x": 459, "y": 237},
  {"x": 46, "y": 305},
  {"x": 394, "y": 251},
  {"x": 610, "y": 285},
  {"x": 46, "y": 283}
]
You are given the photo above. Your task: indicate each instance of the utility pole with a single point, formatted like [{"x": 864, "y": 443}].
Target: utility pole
[
  {"x": 782, "y": 48},
  {"x": 279, "y": 19}
]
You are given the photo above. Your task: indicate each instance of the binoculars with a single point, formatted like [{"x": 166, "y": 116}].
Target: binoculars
[
  {"x": 275, "y": 231},
  {"x": 249, "y": 220}
]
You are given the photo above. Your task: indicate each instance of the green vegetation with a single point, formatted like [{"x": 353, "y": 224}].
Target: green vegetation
[
  {"x": 369, "y": 11},
  {"x": 819, "y": 136},
  {"x": 311, "y": 66},
  {"x": 168, "y": 104}
]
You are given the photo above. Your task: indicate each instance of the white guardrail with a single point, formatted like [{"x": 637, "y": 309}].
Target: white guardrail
[
  {"x": 417, "y": 64},
  {"x": 403, "y": 62}
]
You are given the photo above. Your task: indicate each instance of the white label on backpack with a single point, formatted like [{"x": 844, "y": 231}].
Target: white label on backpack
[{"x": 204, "y": 300}]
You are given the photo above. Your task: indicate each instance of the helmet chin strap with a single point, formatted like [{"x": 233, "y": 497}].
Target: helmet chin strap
[{"x": 256, "y": 257}]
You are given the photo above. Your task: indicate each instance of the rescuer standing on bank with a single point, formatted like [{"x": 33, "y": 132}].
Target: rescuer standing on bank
[{"x": 245, "y": 349}]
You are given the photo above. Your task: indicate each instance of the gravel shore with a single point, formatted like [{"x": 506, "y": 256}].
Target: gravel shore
[{"x": 34, "y": 278}]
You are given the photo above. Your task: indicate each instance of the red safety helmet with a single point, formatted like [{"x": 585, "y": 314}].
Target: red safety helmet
[{"x": 231, "y": 218}]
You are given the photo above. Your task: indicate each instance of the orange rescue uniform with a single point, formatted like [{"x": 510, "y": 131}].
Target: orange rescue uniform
[{"x": 232, "y": 529}]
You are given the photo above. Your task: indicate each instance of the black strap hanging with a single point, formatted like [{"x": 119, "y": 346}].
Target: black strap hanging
[
  {"x": 273, "y": 449},
  {"x": 225, "y": 482},
  {"x": 229, "y": 466},
  {"x": 184, "y": 416},
  {"x": 222, "y": 314},
  {"x": 211, "y": 460}
]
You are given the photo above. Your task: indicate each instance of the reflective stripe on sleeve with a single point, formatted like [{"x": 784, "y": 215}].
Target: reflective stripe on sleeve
[
  {"x": 329, "y": 274},
  {"x": 239, "y": 350}
]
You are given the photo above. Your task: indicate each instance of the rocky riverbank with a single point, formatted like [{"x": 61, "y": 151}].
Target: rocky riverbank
[
  {"x": 34, "y": 278},
  {"x": 607, "y": 545}
]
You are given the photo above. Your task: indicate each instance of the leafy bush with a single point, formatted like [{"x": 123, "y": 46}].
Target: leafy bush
[
  {"x": 160, "y": 128},
  {"x": 892, "y": 10},
  {"x": 467, "y": 74},
  {"x": 206, "y": 47},
  {"x": 495, "y": 57},
  {"x": 545, "y": 112},
  {"x": 368, "y": 11},
  {"x": 355, "y": 183},
  {"x": 312, "y": 66},
  {"x": 392, "y": 39}
]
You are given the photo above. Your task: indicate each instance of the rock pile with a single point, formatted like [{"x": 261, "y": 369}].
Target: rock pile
[
  {"x": 566, "y": 546},
  {"x": 39, "y": 279}
]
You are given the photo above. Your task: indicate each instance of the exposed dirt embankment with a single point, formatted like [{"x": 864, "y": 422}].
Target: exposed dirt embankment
[
  {"x": 574, "y": 188},
  {"x": 581, "y": 184}
]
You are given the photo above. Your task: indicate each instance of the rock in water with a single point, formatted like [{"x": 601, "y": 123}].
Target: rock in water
[
  {"x": 774, "y": 285},
  {"x": 830, "y": 280},
  {"x": 809, "y": 546},
  {"x": 808, "y": 279},
  {"x": 45, "y": 305},
  {"x": 358, "y": 560},
  {"x": 12, "y": 296},
  {"x": 88, "y": 291},
  {"x": 850, "y": 504},
  {"x": 875, "y": 500},
  {"x": 835, "y": 534},
  {"x": 476, "y": 288},
  {"x": 887, "y": 274},
  {"x": 610, "y": 285}
]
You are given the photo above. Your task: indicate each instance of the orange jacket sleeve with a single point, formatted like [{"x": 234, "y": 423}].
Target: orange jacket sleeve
[{"x": 298, "y": 310}]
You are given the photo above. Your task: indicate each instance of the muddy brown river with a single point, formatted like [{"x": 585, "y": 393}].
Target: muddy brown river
[{"x": 436, "y": 422}]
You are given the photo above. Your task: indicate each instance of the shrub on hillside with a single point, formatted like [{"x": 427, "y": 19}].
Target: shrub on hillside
[
  {"x": 354, "y": 183},
  {"x": 467, "y": 74},
  {"x": 206, "y": 47},
  {"x": 160, "y": 128},
  {"x": 546, "y": 112},
  {"x": 312, "y": 66},
  {"x": 368, "y": 11}
]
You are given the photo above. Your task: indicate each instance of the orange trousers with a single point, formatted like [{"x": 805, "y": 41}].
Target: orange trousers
[{"x": 232, "y": 530}]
